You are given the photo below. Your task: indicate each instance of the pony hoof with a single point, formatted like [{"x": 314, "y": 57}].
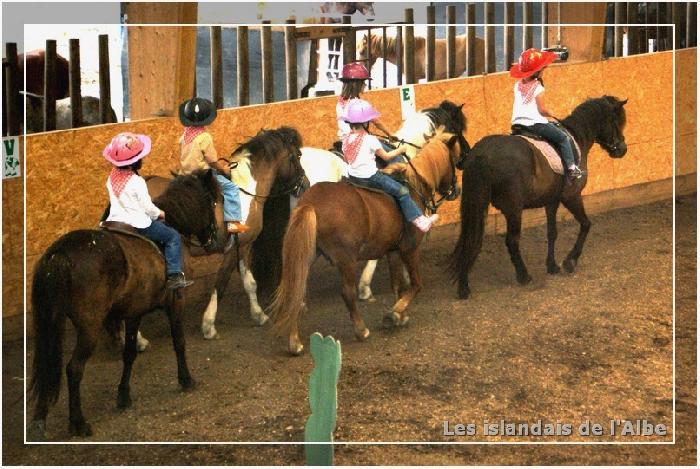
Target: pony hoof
[
  {"x": 403, "y": 321},
  {"x": 525, "y": 279},
  {"x": 570, "y": 265},
  {"x": 553, "y": 269},
  {"x": 296, "y": 349},
  {"x": 187, "y": 384},
  {"x": 362, "y": 335},
  {"x": 464, "y": 293},
  {"x": 36, "y": 430},
  {"x": 81, "y": 429},
  {"x": 368, "y": 299},
  {"x": 210, "y": 333},
  {"x": 366, "y": 295},
  {"x": 142, "y": 345},
  {"x": 123, "y": 402},
  {"x": 260, "y": 319},
  {"x": 392, "y": 319}
]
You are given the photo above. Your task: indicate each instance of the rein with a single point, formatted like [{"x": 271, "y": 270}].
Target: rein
[{"x": 294, "y": 186}]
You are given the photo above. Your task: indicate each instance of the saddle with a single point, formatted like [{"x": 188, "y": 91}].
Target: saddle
[
  {"x": 545, "y": 148},
  {"x": 128, "y": 230}
]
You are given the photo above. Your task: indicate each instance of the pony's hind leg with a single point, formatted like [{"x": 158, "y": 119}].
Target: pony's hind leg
[
  {"x": 129, "y": 355},
  {"x": 84, "y": 347},
  {"x": 551, "y": 210},
  {"x": 398, "y": 314},
  {"x": 174, "y": 310},
  {"x": 514, "y": 221},
  {"x": 365, "y": 288},
  {"x": 575, "y": 206},
  {"x": 251, "y": 288},
  {"x": 348, "y": 273}
]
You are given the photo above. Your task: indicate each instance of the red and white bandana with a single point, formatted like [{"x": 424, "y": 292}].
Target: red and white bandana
[
  {"x": 118, "y": 178},
  {"x": 191, "y": 133},
  {"x": 351, "y": 146},
  {"x": 527, "y": 90}
]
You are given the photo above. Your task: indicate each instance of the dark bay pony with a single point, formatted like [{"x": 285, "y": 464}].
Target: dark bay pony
[
  {"x": 98, "y": 279},
  {"x": 510, "y": 173},
  {"x": 349, "y": 225},
  {"x": 267, "y": 168}
]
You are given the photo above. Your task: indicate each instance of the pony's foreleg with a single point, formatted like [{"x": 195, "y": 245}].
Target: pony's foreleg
[
  {"x": 209, "y": 317},
  {"x": 365, "y": 287},
  {"x": 575, "y": 206},
  {"x": 551, "y": 209},
  {"x": 349, "y": 276},
  {"x": 129, "y": 355},
  {"x": 251, "y": 288},
  {"x": 398, "y": 314}
]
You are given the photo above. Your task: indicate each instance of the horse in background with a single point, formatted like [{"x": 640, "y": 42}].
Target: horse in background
[
  {"x": 513, "y": 175},
  {"x": 98, "y": 279},
  {"x": 64, "y": 119},
  {"x": 420, "y": 51},
  {"x": 319, "y": 223}
]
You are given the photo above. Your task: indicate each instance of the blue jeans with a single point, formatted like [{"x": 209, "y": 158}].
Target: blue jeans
[
  {"x": 395, "y": 189},
  {"x": 170, "y": 239},
  {"x": 232, "y": 198},
  {"x": 387, "y": 147},
  {"x": 558, "y": 138}
]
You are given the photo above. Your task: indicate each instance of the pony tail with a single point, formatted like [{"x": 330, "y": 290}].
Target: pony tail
[
  {"x": 50, "y": 304},
  {"x": 298, "y": 251},
  {"x": 476, "y": 195}
]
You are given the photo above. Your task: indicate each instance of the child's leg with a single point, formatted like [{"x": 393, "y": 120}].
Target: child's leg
[
  {"x": 398, "y": 191},
  {"x": 170, "y": 239},
  {"x": 232, "y": 199},
  {"x": 559, "y": 139}
]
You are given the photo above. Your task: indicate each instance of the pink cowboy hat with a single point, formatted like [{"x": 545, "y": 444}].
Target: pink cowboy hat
[{"x": 127, "y": 148}]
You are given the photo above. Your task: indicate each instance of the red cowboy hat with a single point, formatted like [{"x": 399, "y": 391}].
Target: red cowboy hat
[
  {"x": 532, "y": 61},
  {"x": 354, "y": 71}
]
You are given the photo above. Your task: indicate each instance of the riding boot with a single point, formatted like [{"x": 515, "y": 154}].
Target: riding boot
[{"x": 177, "y": 280}]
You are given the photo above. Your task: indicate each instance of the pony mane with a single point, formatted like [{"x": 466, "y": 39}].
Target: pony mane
[
  {"x": 188, "y": 203},
  {"x": 430, "y": 161},
  {"x": 592, "y": 112},
  {"x": 268, "y": 143}
]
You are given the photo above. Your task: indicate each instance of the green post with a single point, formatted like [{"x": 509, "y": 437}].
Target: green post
[{"x": 322, "y": 399}]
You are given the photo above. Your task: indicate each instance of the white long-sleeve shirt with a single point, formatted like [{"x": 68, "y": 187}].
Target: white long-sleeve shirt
[{"x": 134, "y": 205}]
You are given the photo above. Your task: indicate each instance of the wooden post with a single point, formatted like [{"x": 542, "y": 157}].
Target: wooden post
[
  {"x": 620, "y": 18},
  {"x": 451, "y": 41},
  {"x": 527, "y": 30},
  {"x": 12, "y": 101},
  {"x": 242, "y": 66},
  {"x": 509, "y": 33},
  {"x": 290, "y": 55},
  {"x": 430, "y": 44},
  {"x": 105, "y": 87},
  {"x": 632, "y": 31},
  {"x": 217, "y": 71},
  {"x": 471, "y": 39},
  {"x": 266, "y": 50},
  {"x": 399, "y": 56},
  {"x": 384, "y": 52},
  {"x": 409, "y": 57},
  {"x": 677, "y": 11},
  {"x": 489, "y": 39},
  {"x": 348, "y": 41},
  {"x": 323, "y": 399},
  {"x": 50, "y": 86},
  {"x": 544, "y": 32},
  {"x": 76, "y": 104},
  {"x": 691, "y": 24}
]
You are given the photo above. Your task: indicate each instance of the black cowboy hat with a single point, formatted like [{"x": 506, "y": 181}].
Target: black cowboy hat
[{"x": 197, "y": 112}]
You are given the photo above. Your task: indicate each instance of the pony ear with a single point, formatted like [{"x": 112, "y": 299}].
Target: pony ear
[
  {"x": 622, "y": 103},
  {"x": 461, "y": 106}
]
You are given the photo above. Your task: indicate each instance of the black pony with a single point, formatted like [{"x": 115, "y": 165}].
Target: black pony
[
  {"x": 100, "y": 278},
  {"x": 510, "y": 173}
]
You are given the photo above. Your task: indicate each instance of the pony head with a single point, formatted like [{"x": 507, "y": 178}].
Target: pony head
[{"x": 610, "y": 135}]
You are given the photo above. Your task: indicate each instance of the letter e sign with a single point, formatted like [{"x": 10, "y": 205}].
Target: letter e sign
[{"x": 408, "y": 101}]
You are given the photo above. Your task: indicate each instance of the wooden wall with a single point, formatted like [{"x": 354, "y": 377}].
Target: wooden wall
[{"x": 66, "y": 172}]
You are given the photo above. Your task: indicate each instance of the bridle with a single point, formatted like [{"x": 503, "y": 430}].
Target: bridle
[{"x": 294, "y": 187}]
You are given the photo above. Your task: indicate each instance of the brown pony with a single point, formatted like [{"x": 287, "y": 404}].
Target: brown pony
[
  {"x": 349, "y": 225},
  {"x": 420, "y": 50}
]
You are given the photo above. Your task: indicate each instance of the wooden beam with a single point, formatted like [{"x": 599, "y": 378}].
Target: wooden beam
[
  {"x": 12, "y": 102},
  {"x": 471, "y": 39},
  {"x": 544, "y": 32},
  {"x": 290, "y": 55},
  {"x": 50, "y": 86},
  {"x": 509, "y": 33},
  {"x": 266, "y": 50},
  {"x": 527, "y": 30},
  {"x": 430, "y": 44},
  {"x": 409, "y": 52},
  {"x": 348, "y": 41},
  {"x": 76, "y": 104},
  {"x": 217, "y": 69},
  {"x": 105, "y": 86},
  {"x": 242, "y": 66},
  {"x": 451, "y": 41},
  {"x": 399, "y": 56},
  {"x": 489, "y": 38},
  {"x": 632, "y": 31},
  {"x": 620, "y": 18}
]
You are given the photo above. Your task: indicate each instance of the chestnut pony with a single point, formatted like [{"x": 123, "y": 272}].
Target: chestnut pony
[{"x": 349, "y": 225}]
